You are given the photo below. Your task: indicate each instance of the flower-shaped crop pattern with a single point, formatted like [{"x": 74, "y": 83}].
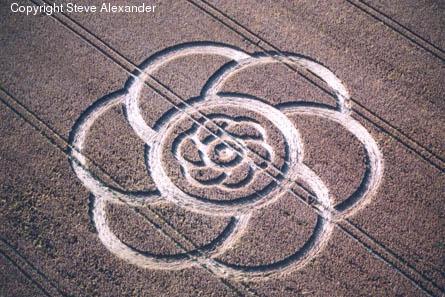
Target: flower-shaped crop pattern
[
  {"x": 225, "y": 154},
  {"x": 224, "y": 157}
]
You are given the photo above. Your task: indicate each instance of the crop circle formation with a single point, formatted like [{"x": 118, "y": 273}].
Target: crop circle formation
[{"x": 224, "y": 155}]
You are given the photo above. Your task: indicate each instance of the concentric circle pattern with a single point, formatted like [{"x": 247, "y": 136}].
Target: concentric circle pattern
[{"x": 211, "y": 159}]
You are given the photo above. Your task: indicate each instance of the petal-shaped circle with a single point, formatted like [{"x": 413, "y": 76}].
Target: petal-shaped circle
[
  {"x": 341, "y": 93},
  {"x": 79, "y": 162},
  {"x": 374, "y": 169},
  {"x": 134, "y": 112},
  {"x": 300, "y": 257},
  {"x": 200, "y": 255}
]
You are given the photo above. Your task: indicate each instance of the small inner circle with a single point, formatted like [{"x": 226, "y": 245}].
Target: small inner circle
[{"x": 224, "y": 154}]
